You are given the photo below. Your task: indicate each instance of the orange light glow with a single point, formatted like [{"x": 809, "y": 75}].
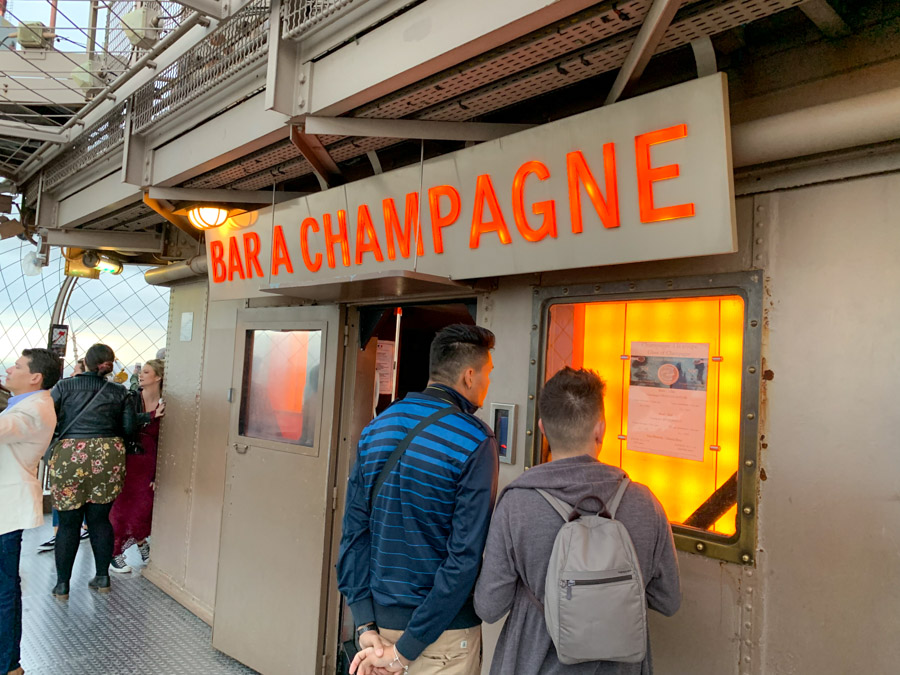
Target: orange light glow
[
  {"x": 580, "y": 173},
  {"x": 280, "y": 256},
  {"x": 312, "y": 264},
  {"x": 251, "y": 253},
  {"x": 606, "y": 334},
  {"x": 217, "y": 259},
  {"x": 437, "y": 220},
  {"x": 547, "y": 208},
  {"x": 234, "y": 260},
  {"x": 340, "y": 238},
  {"x": 486, "y": 196},
  {"x": 647, "y": 175},
  {"x": 410, "y": 224},
  {"x": 366, "y": 239}
]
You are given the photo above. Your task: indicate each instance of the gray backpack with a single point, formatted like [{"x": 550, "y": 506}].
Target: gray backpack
[{"x": 594, "y": 602}]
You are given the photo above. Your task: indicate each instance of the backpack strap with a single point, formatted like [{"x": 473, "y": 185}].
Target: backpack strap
[
  {"x": 404, "y": 444},
  {"x": 563, "y": 509},
  {"x": 614, "y": 504}
]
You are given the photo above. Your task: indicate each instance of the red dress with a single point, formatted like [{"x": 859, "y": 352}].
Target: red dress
[{"x": 132, "y": 512}]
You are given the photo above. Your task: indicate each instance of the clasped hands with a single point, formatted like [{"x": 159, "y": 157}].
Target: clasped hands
[{"x": 377, "y": 656}]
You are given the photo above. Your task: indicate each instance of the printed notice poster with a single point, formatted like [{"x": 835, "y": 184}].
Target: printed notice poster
[
  {"x": 384, "y": 365},
  {"x": 667, "y": 398}
]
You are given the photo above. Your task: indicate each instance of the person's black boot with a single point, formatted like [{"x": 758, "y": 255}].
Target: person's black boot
[
  {"x": 61, "y": 590},
  {"x": 100, "y": 584}
]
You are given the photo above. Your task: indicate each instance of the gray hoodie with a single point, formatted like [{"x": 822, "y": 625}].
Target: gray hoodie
[{"x": 519, "y": 542}]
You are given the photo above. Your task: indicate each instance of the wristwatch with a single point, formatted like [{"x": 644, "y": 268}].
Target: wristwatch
[{"x": 365, "y": 628}]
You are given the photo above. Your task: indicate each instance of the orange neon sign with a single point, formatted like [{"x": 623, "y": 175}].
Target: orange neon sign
[
  {"x": 647, "y": 175},
  {"x": 371, "y": 240}
]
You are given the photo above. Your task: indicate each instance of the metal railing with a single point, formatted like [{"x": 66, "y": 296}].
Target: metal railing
[
  {"x": 299, "y": 17},
  {"x": 99, "y": 139},
  {"x": 118, "y": 52},
  {"x": 239, "y": 43}
]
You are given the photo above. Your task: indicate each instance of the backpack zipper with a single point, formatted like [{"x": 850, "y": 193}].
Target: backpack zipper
[{"x": 569, "y": 583}]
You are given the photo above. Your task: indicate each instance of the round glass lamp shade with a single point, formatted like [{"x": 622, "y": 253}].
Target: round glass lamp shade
[{"x": 206, "y": 217}]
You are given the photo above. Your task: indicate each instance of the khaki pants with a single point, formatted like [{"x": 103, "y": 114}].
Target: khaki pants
[{"x": 455, "y": 652}]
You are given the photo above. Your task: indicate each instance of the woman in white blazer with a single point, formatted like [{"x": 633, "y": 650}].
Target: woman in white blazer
[{"x": 26, "y": 429}]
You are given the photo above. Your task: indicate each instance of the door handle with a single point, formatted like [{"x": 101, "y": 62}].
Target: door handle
[{"x": 240, "y": 449}]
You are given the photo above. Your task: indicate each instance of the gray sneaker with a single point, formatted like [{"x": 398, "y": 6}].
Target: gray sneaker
[
  {"x": 118, "y": 565},
  {"x": 145, "y": 551}
]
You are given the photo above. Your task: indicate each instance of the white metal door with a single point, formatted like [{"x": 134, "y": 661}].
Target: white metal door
[{"x": 278, "y": 492}]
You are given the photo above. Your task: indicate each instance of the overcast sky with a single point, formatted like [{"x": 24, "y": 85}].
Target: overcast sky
[{"x": 122, "y": 311}]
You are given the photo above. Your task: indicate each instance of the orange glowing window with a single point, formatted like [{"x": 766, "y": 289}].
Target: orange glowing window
[
  {"x": 659, "y": 357},
  {"x": 280, "y": 399}
]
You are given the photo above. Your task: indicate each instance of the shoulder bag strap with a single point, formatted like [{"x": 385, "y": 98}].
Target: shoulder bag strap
[
  {"x": 62, "y": 434},
  {"x": 614, "y": 504},
  {"x": 404, "y": 444}
]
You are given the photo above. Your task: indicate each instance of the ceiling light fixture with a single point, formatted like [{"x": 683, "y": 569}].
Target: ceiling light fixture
[{"x": 207, "y": 217}]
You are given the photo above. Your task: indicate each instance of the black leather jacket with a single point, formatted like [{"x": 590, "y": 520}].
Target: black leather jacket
[{"x": 108, "y": 416}]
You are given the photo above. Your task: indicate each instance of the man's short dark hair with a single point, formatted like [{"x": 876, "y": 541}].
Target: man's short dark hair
[
  {"x": 46, "y": 363},
  {"x": 456, "y": 348},
  {"x": 570, "y": 405}
]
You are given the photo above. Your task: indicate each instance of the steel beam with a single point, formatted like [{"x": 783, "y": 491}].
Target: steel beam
[
  {"x": 418, "y": 129},
  {"x": 827, "y": 20},
  {"x": 105, "y": 240},
  {"x": 221, "y": 196},
  {"x": 165, "y": 211},
  {"x": 315, "y": 153},
  {"x": 423, "y": 40},
  {"x": 648, "y": 38},
  {"x": 33, "y": 132},
  {"x": 212, "y": 8}
]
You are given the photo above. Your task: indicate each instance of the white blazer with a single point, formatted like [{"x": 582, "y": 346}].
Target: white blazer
[{"x": 26, "y": 430}]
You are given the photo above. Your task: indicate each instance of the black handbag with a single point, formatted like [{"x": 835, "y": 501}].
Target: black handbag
[{"x": 132, "y": 443}]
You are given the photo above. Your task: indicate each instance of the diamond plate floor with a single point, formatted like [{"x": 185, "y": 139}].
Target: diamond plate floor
[{"x": 135, "y": 629}]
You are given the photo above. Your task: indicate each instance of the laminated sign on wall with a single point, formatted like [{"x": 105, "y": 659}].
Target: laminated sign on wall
[{"x": 667, "y": 398}]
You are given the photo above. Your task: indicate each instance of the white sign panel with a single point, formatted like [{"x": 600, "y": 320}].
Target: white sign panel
[
  {"x": 646, "y": 179},
  {"x": 667, "y": 398}
]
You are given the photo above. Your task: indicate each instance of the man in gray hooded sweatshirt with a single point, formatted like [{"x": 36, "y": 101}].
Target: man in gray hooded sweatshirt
[{"x": 524, "y": 527}]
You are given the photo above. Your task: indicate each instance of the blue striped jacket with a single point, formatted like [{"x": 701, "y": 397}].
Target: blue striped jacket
[{"x": 409, "y": 560}]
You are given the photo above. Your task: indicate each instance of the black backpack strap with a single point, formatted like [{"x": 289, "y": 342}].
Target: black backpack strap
[
  {"x": 531, "y": 596},
  {"x": 404, "y": 444}
]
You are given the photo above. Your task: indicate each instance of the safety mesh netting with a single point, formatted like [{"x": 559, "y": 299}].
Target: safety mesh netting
[{"x": 122, "y": 311}]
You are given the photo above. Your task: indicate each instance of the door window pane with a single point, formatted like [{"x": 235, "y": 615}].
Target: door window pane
[{"x": 281, "y": 397}]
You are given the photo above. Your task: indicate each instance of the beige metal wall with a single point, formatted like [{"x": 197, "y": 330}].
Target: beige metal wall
[
  {"x": 830, "y": 507},
  {"x": 188, "y": 510}
]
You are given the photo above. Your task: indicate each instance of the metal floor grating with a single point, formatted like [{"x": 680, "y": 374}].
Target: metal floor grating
[{"x": 135, "y": 629}]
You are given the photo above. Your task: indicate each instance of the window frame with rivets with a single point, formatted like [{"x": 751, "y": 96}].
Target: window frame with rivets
[{"x": 711, "y": 502}]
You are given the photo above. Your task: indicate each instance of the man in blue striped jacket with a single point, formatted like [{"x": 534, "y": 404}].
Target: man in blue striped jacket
[{"x": 409, "y": 556}]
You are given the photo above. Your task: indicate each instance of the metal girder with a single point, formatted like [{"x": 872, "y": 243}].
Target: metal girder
[
  {"x": 648, "y": 38},
  {"x": 827, "y": 20},
  {"x": 213, "y": 8},
  {"x": 165, "y": 210},
  {"x": 418, "y": 129},
  {"x": 32, "y": 132},
  {"x": 221, "y": 196},
  {"x": 315, "y": 153},
  {"x": 105, "y": 240}
]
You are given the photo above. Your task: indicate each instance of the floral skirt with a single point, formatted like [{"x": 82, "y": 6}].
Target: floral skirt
[{"x": 86, "y": 470}]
